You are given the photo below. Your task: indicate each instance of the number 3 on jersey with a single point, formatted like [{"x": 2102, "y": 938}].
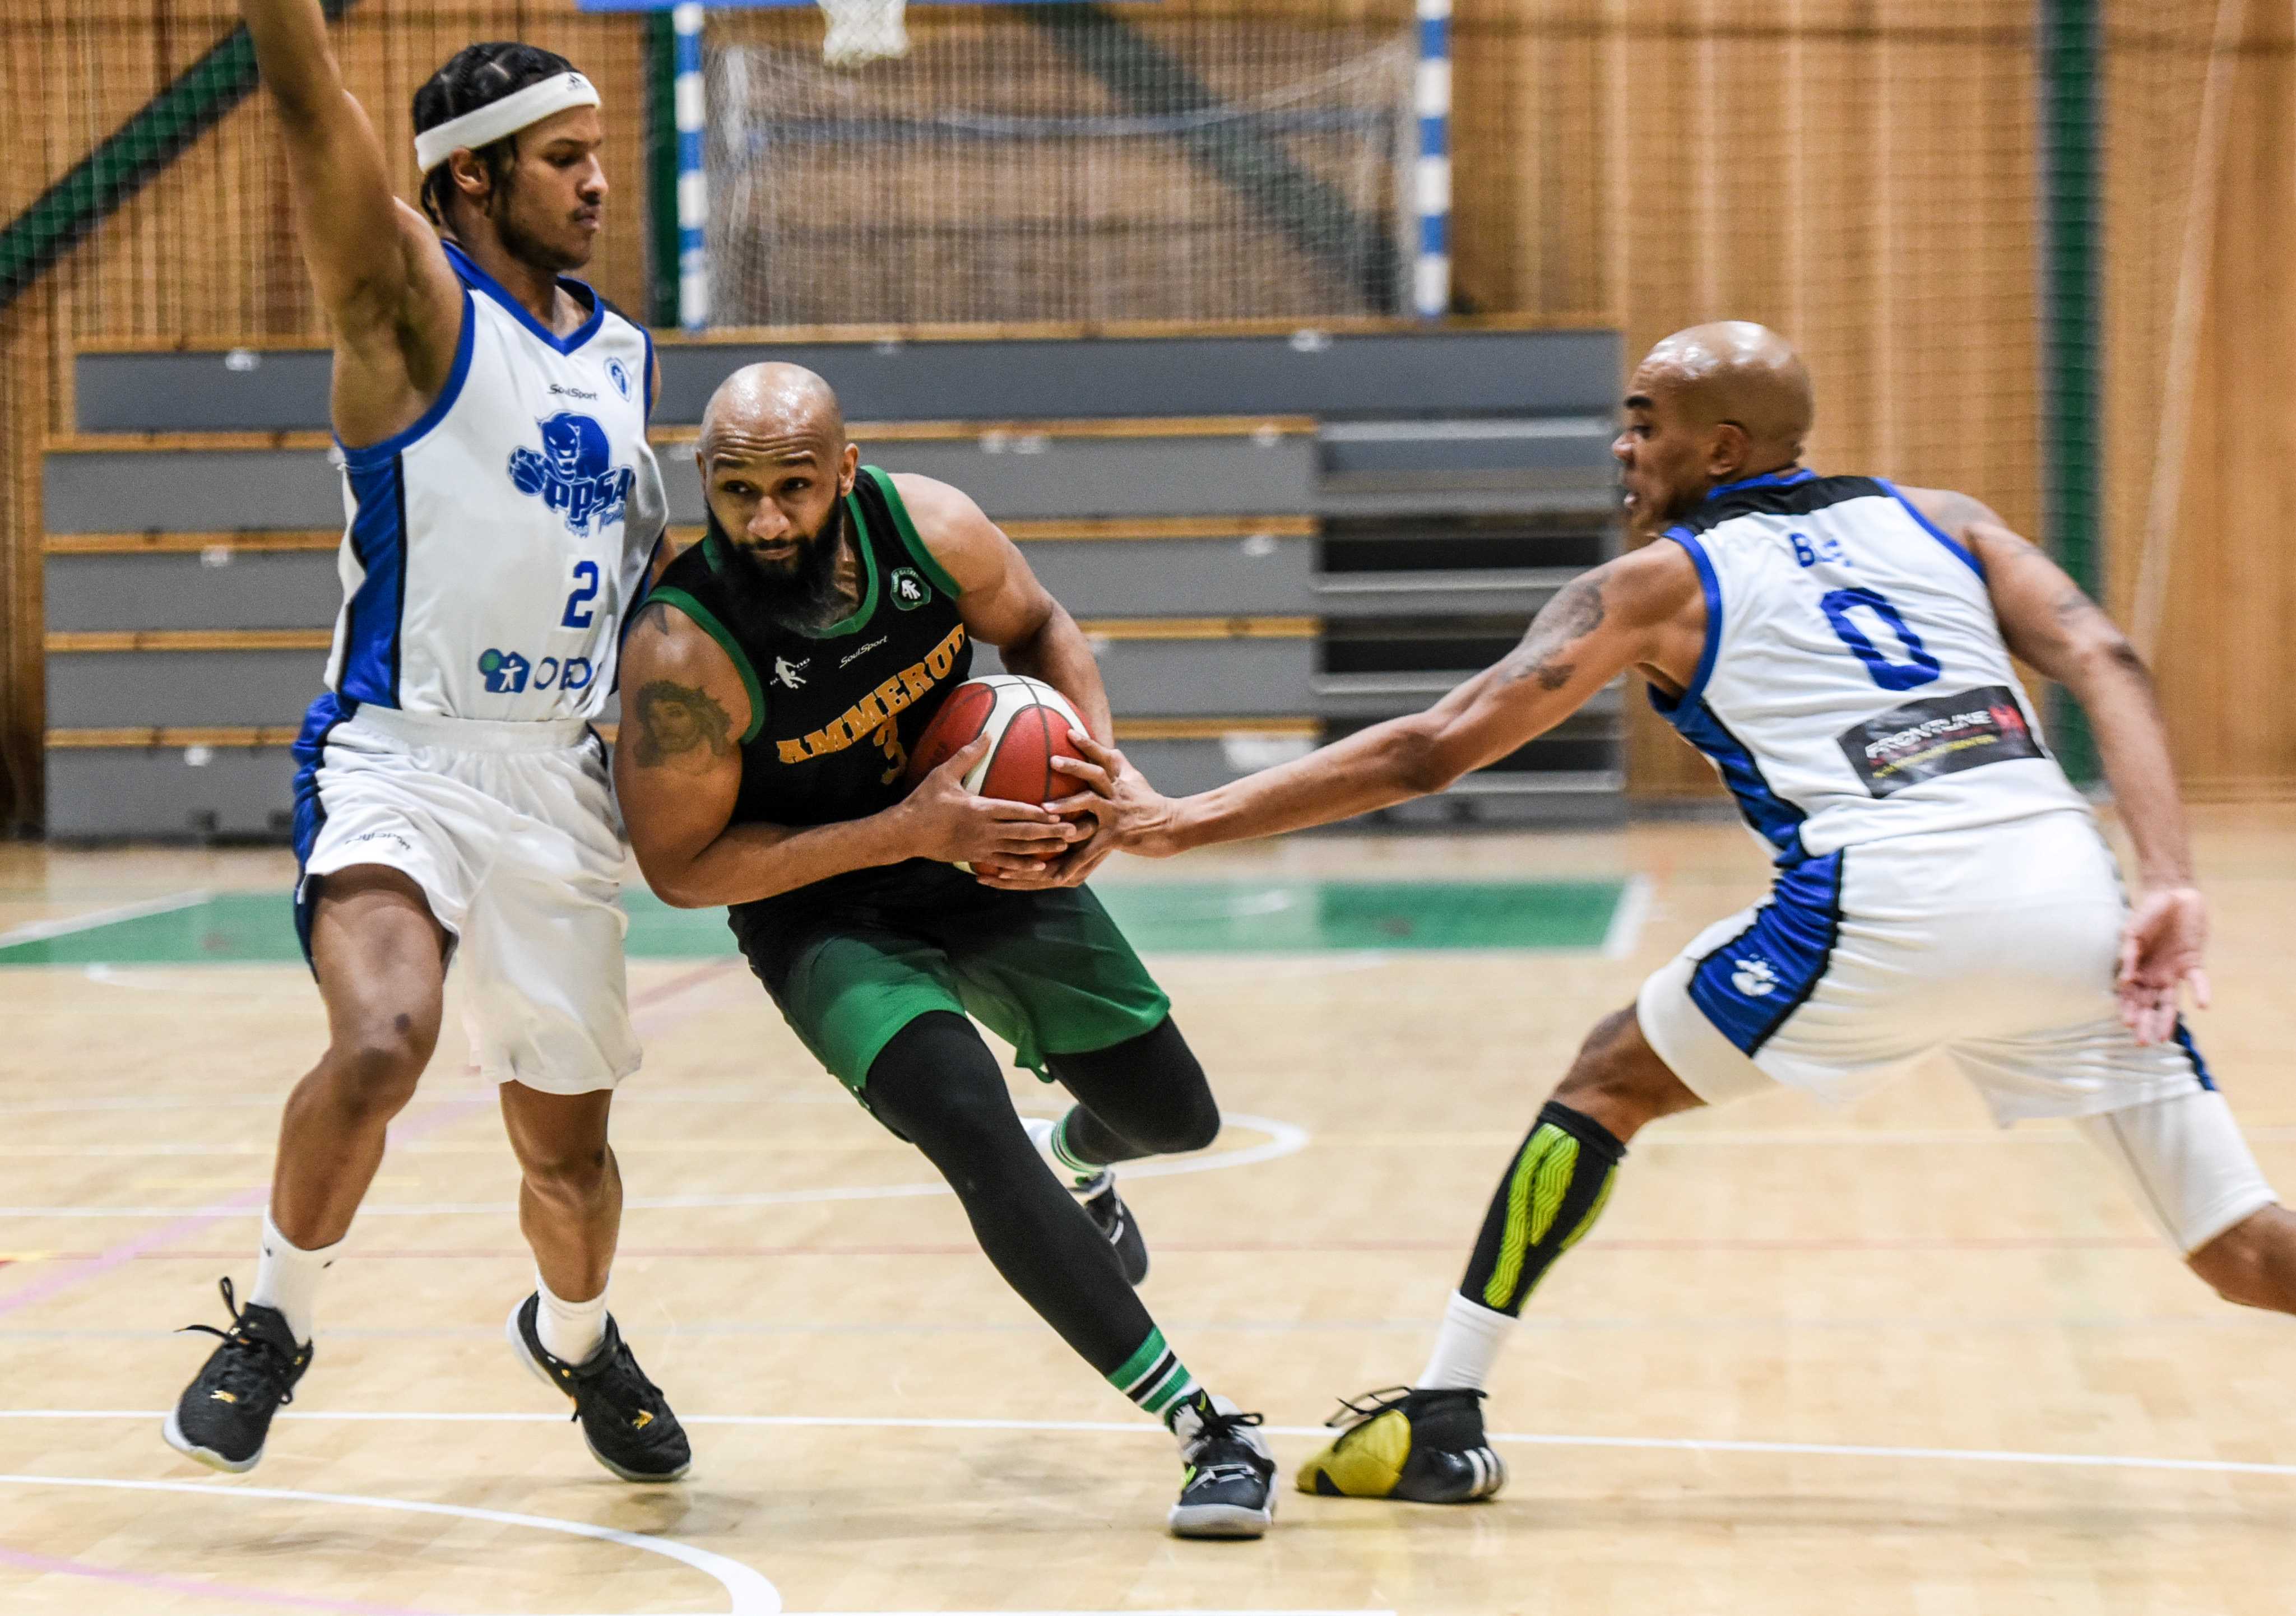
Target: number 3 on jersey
[
  {"x": 1921, "y": 668},
  {"x": 585, "y": 590}
]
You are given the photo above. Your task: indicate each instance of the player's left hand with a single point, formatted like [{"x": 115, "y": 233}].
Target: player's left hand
[{"x": 2161, "y": 950}]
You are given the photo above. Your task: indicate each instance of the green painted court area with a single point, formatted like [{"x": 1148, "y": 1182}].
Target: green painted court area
[{"x": 1179, "y": 917}]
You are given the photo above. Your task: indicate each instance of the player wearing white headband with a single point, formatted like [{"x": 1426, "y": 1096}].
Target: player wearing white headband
[{"x": 452, "y": 802}]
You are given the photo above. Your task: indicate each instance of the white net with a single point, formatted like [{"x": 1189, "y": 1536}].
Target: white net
[
  {"x": 863, "y": 31},
  {"x": 1054, "y": 163}
]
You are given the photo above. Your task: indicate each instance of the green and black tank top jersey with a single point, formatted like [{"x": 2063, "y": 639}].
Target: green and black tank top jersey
[{"x": 832, "y": 715}]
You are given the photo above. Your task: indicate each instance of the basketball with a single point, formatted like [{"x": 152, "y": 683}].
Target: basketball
[{"x": 1030, "y": 725}]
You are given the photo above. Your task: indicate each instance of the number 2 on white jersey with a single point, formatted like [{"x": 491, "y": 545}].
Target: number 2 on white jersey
[{"x": 578, "y": 612}]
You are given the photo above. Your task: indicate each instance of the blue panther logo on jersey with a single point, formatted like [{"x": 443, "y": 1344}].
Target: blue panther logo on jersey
[{"x": 571, "y": 473}]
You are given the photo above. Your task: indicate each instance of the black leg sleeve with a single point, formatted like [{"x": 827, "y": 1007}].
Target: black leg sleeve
[
  {"x": 937, "y": 1084},
  {"x": 1554, "y": 1189},
  {"x": 1147, "y": 1096}
]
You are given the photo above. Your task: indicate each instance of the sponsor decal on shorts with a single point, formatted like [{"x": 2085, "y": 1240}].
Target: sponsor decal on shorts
[
  {"x": 507, "y": 673},
  {"x": 1939, "y": 735}
]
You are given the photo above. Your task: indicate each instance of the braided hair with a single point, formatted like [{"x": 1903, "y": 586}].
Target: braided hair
[{"x": 478, "y": 75}]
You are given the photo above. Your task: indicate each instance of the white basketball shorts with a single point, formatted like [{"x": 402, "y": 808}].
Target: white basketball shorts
[
  {"x": 511, "y": 832},
  {"x": 1997, "y": 945}
]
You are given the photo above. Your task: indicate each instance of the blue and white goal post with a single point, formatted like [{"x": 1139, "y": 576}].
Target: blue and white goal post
[{"x": 1431, "y": 270}]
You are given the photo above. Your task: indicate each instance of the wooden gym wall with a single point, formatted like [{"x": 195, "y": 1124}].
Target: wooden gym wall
[{"x": 1862, "y": 173}]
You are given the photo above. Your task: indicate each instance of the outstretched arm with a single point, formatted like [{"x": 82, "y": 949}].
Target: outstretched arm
[
  {"x": 2056, "y": 628},
  {"x": 389, "y": 291},
  {"x": 677, "y": 773},
  {"x": 1644, "y": 608}
]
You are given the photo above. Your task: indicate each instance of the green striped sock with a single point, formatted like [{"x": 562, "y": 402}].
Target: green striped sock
[
  {"x": 1066, "y": 1154},
  {"x": 1155, "y": 1377}
]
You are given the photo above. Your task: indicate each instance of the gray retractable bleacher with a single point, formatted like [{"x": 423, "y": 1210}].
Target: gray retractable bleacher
[{"x": 1269, "y": 540}]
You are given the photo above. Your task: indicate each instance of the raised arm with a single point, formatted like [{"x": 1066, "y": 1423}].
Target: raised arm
[
  {"x": 1642, "y": 608},
  {"x": 390, "y": 293},
  {"x": 1000, "y": 600},
  {"x": 677, "y": 772},
  {"x": 2048, "y": 621}
]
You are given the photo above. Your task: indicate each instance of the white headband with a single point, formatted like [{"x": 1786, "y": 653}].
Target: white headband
[{"x": 490, "y": 123}]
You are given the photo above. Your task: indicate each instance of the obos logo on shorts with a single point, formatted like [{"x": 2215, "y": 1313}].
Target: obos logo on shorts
[{"x": 507, "y": 673}]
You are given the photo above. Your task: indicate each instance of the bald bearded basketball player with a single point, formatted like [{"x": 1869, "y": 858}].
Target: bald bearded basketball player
[{"x": 1839, "y": 648}]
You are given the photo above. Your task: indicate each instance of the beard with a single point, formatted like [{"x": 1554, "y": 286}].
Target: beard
[{"x": 802, "y": 596}]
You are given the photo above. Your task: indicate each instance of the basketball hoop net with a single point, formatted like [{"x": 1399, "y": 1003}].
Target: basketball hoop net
[{"x": 863, "y": 31}]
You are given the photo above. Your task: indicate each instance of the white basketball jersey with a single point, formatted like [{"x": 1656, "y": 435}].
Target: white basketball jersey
[
  {"x": 492, "y": 548},
  {"x": 1854, "y": 685}
]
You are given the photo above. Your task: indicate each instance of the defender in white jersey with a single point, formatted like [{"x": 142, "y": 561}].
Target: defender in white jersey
[
  {"x": 452, "y": 802},
  {"x": 1840, "y": 649}
]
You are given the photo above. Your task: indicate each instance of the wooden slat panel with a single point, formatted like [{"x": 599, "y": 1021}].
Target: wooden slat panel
[
  {"x": 188, "y": 544},
  {"x": 683, "y": 437},
  {"x": 1203, "y": 628},
  {"x": 192, "y": 639}
]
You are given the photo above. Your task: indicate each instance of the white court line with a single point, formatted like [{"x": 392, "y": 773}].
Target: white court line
[
  {"x": 41, "y": 931},
  {"x": 1139, "y": 1428},
  {"x": 1628, "y": 917},
  {"x": 750, "y": 1594},
  {"x": 1285, "y": 1139}
]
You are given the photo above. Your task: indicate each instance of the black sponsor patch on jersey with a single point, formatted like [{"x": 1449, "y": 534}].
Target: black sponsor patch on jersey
[{"x": 1938, "y": 735}]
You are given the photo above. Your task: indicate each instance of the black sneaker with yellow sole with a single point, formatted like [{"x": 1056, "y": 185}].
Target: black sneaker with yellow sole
[
  {"x": 224, "y": 1417},
  {"x": 1419, "y": 1445},
  {"x": 625, "y": 1421}
]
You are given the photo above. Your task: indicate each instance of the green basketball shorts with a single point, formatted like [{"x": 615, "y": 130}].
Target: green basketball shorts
[{"x": 851, "y": 962}]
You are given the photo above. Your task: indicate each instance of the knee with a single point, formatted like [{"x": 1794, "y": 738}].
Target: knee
[
  {"x": 2250, "y": 1264},
  {"x": 575, "y": 1174},
  {"x": 371, "y": 1073},
  {"x": 1190, "y": 1125},
  {"x": 1617, "y": 1081}
]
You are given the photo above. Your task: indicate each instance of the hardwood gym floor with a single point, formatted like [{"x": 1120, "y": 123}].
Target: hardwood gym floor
[{"x": 1892, "y": 1361}]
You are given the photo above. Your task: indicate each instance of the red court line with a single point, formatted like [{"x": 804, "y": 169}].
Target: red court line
[
  {"x": 50, "y": 1565},
  {"x": 2036, "y": 1243}
]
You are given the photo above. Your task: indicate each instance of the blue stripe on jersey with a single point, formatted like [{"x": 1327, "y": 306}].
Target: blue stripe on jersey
[
  {"x": 580, "y": 291},
  {"x": 1777, "y": 820},
  {"x": 1933, "y": 530},
  {"x": 1769, "y": 479},
  {"x": 2184, "y": 1036},
  {"x": 1713, "y": 589},
  {"x": 378, "y": 539},
  {"x": 376, "y": 453},
  {"x": 1750, "y": 985},
  {"x": 309, "y": 753}
]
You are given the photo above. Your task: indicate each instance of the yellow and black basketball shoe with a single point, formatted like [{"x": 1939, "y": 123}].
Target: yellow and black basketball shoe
[
  {"x": 625, "y": 1421},
  {"x": 1422, "y": 1446},
  {"x": 1228, "y": 1488},
  {"x": 225, "y": 1415}
]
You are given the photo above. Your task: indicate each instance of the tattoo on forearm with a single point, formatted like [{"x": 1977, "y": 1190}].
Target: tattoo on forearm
[
  {"x": 679, "y": 724},
  {"x": 1569, "y": 618}
]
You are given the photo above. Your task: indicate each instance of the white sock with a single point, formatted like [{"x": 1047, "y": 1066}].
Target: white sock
[
  {"x": 287, "y": 1277},
  {"x": 570, "y": 1331},
  {"x": 1466, "y": 1347}
]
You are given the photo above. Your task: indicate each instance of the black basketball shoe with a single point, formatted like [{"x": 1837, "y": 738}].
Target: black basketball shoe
[
  {"x": 625, "y": 1420},
  {"x": 1114, "y": 1219},
  {"x": 1422, "y": 1446},
  {"x": 1229, "y": 1488},
  {"x": 1096, "y": 1193},
  {"x": 225, "y": 1413}
]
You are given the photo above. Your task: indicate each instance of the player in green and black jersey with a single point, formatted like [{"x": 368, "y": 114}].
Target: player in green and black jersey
[{"x": 772, "y": 687}]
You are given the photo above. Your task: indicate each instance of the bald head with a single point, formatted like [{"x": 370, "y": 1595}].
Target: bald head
[
  {"x": 1713, "y": 404},
  {"x": 762, "y": 407},
  {"x": 774, "y": 468},
  {"x": 1735, "y": 373}
]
